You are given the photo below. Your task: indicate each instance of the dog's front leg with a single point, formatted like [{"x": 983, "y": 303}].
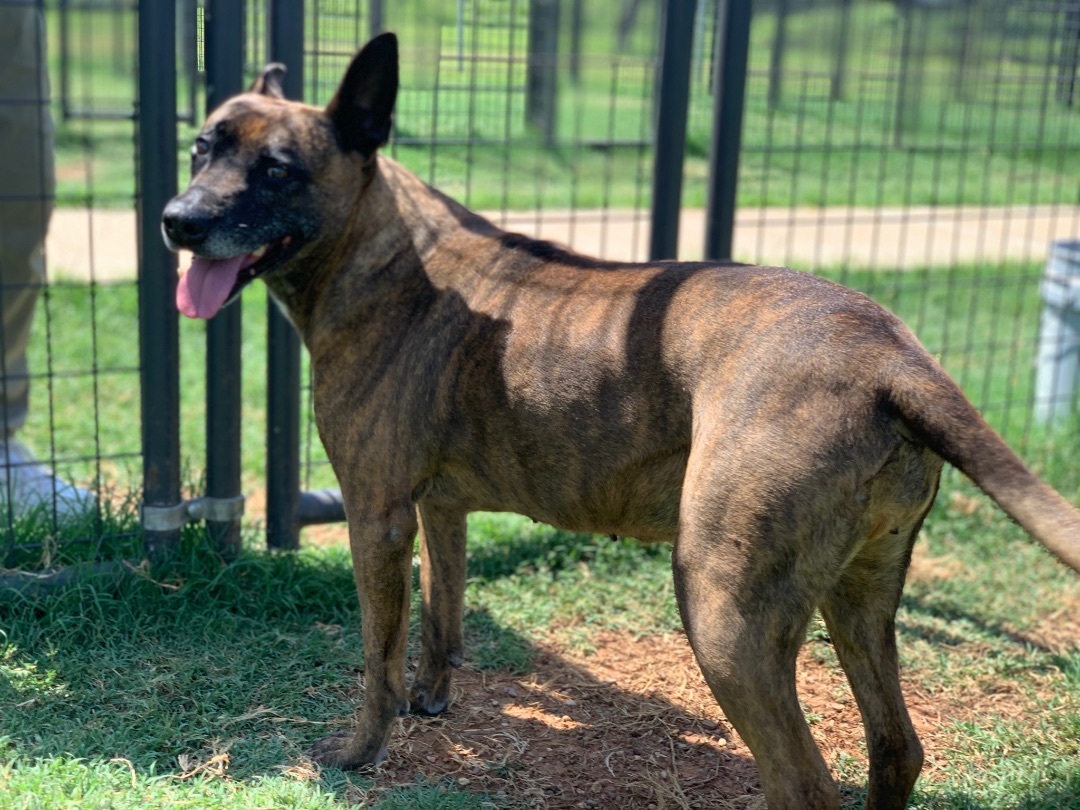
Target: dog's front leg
[{"x": 382, "y": 548}]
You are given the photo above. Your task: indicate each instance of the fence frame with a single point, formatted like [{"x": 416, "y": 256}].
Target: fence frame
[
  {"x": 223, "y": 503},
  {"x": 286, "y": 45},
  {"x": 288, "y": 507},
  {"x": 163, "y": 510}
]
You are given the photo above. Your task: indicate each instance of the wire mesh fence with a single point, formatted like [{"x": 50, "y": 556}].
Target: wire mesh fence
[
  {"x": 82, "y": 373},
  {"x": 926, "y": 154},
  {"x": 923, "y": 153}
]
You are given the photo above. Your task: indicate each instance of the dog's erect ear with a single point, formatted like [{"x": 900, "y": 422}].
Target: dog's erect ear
[
  {"x": 362, "y": 109},
  {"x": 269, "y": 81}
]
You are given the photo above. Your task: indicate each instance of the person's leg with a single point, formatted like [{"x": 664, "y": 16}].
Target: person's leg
[
  {"x": 26, "y": 202},
  {"x": 26, "y": 195}
]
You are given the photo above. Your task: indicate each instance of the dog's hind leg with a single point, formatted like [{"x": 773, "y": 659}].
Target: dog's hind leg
[
  {"x": 746, "y": 611},
  {"x": 442, "y": 586},
  {"x": 860, "y": 614}
]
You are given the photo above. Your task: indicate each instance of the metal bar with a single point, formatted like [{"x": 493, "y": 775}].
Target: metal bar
[
  {"x": 320, "y": 506},
  {"x": 187, "y": 12},
  {"x": 34, "y": 584},
  {"x": 840, "y": 63},
  {"x": 542, "y": 68},
  {"x": 577, "y": 27},
  {"x": 729, "y": 91},
  {"x": 159, "y": 343},
  {"x": 671, "y": 128},
  {"x": 376, "y": 17},
  {"x": 778, "y": 52},
  {"x": 1069, "y": 59},
  {"x": 904, "y": 109},
  {"x": 224, "y": 33},
  {"x": 65, "y": 58},
  {"x": 286, "y": 44}
]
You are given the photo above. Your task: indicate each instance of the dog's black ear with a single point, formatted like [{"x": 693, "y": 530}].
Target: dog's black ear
[
  {"x": 269, "y": 81},
  {"x": 362, "y": 109}
]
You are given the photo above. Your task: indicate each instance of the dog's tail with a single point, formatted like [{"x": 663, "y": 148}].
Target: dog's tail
[{"x": 936, "y": 410}]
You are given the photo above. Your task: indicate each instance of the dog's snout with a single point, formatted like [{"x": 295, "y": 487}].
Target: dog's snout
[{"x": 184, "y": 227}]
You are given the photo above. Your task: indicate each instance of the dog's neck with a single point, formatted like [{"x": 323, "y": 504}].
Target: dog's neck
[{"x": 394, "y": 234}]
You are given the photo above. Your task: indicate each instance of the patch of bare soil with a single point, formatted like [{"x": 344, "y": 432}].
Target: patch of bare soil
[
  {"x": 633, "y": 725},
  {"x": 1058, "y": 631}
]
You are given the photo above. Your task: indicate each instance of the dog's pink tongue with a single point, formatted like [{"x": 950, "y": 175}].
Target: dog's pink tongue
[{"x": 202, "y": 290}]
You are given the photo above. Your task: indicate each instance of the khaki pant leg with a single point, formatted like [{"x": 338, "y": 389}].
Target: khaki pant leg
[{"x": 27, "y": 189}]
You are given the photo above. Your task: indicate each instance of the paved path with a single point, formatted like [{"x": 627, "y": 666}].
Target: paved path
[{"x": 101, "y": 244}]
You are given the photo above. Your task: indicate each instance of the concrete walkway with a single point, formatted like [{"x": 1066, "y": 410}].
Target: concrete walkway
[{"x": 101, "y": 244}]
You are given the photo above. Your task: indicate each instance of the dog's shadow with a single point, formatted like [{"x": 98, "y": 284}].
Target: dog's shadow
[{"x": 560, "y": 733}]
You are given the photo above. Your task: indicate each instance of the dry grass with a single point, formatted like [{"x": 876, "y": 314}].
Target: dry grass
[{"x": 633, "y": 725}]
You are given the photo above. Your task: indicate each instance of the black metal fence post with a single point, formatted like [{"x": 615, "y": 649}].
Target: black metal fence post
[
  {"x": 188, "y": 36},
  {"x": 286, "y": 33},
  {"x": 223, "y": 504},
  {"x": 779, "y": 50},
  {"x": 671, "y": 129},
  {"x": 729, "y": 91},
  {"x": 541, "y": 69},
  {"x": 163, "y": 511},
  {"x": 1069, "y": 55},
  {"x": 376, "y": 17}
]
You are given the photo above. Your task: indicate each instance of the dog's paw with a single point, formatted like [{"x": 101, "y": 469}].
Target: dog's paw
[
  {"x": 347, "y": 751},
  {"x": 426, "y": 704},
  {"x": 427, "y": 699}
]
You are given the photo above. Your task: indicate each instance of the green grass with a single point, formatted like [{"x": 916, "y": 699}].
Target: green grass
[
  {"x": 967, "y": 634},
  {"x": 111, "y": 690}
]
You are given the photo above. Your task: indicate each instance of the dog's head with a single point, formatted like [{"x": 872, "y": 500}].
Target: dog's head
[{"x": 261, "y": 170}]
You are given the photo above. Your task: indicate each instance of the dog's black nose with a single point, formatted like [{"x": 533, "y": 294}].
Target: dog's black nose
[
  {"x": 184, "y": 229},
  {"x": 182, "y": 226}
]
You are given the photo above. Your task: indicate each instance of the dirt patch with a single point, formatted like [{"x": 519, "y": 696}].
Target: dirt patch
[
  {"x": 633, "y": 725},
  {"x": 927, "y": 568},
  {"x": 1058, "y": 631},
  {"x": 100, "y": 244}
]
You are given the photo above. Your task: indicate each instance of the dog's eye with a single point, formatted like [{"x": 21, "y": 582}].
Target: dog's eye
[
  {"x": 201, "y": 147},
  {"x": 277, "y": 172}
]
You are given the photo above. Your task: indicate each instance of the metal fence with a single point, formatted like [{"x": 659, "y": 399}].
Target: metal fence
[{"x": 923, "y": 152}]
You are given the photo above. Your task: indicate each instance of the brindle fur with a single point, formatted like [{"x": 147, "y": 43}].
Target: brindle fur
[{"x": 784, "y": 433}]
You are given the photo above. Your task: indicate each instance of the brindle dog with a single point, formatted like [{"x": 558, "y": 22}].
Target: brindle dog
[{"x": 784, "y": 433}]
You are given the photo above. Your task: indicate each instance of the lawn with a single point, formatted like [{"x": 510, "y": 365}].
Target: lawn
[{"x": 198, "y": 683}]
